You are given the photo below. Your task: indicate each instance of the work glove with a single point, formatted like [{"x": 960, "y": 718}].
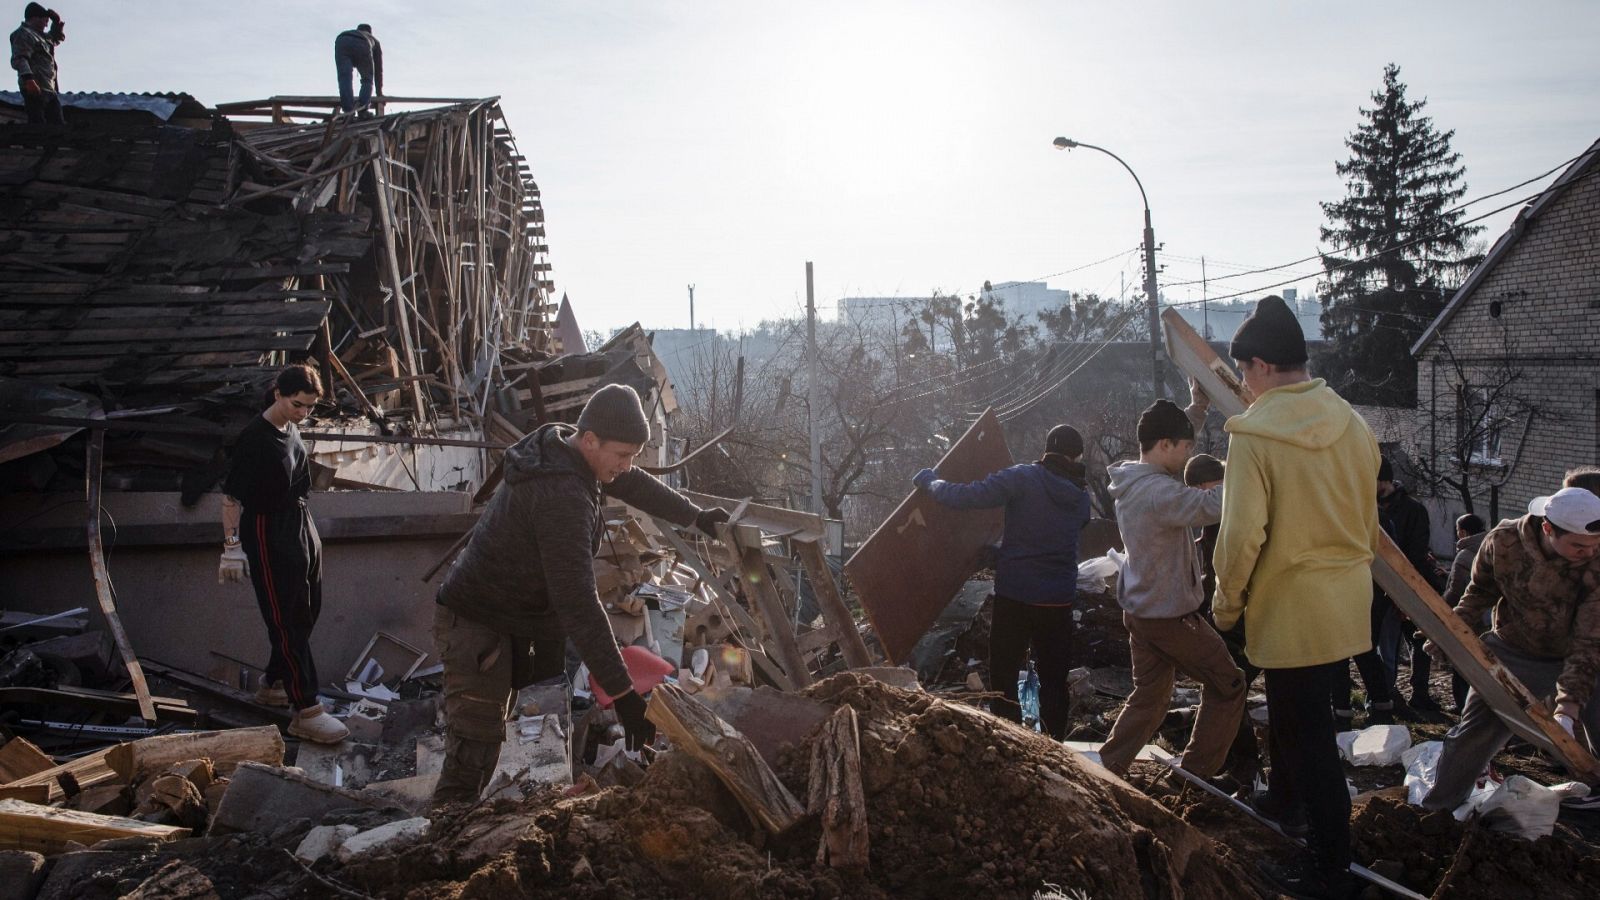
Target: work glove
[
  {"x": 638, "y": 730},
  {"x": 30, "y": 86},
  {"x": 1435, "y": 652},
  {"x": 707, "y": 520},
  {"x": 1565, "y": 721},
  {"x": 234, "y": 566},
  {"x": 924, "y": 478}
]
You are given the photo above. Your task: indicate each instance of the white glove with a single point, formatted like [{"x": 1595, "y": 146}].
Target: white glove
[
  {"x": 1565, "y": 721},
  {"x": 233, "y": 566}
]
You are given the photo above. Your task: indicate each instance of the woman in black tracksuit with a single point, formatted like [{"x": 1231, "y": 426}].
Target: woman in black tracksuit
[{"x": 268, "y": 534}]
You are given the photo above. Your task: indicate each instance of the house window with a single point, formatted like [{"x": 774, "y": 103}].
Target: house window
[{"x": 1479, "y": 425}]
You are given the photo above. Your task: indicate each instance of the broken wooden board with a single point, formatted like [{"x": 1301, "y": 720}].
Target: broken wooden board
[
  {"x": 1523, "y": 713},
  {"x": 19, "y": 758},
  {"x": 755, "y": 576},
  {"x": 915, "y": 562},
  {"x": 840, "y": 624},
  {"x": 699, "y": 732},
  {"x": 835, "y": 794},
  {"x": 225, "y": 749},
  {"x": 102, "y": 577},
  {"x": 86, "y": 771},
  {"x": 46, "y": 829}
]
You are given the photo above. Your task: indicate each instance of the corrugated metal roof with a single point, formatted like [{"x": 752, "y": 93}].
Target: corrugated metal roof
[{"x": 161, "y": 105}]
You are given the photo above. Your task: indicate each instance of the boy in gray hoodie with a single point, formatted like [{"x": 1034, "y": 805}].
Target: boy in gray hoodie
[{"x": 1160, "y": 594}]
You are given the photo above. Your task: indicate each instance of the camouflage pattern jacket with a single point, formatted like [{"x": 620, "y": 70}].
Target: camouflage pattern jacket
[
  {"x": 33, "y": 54},
  {"x": 1542, "y": 606}
]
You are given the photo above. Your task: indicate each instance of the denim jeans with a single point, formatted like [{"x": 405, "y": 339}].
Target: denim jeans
[{"x": 351, "y": 55}]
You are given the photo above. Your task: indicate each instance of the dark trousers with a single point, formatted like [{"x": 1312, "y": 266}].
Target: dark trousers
[
  {"x": 44, "y": 109},
  {"x": 1305, "y": 759},
  {"x": 483, "y": 670},
  {"x": 1376, "y": 676},
  {"x": 285, "y": 555},
  {"x": 352, "y": 55},
  {"x": 1244, "y": 755},
  {"x": 1047, "y": 630}
]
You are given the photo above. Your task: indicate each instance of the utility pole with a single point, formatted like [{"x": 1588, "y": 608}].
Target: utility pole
[
  {"x": 1205, "y": 311},
  {"x": 691, "y": 307},
  {"x": 812, "y": 396},
  {"x": 1153, "y": 304}
]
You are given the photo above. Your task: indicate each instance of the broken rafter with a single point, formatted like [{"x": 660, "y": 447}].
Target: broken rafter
[{"x": 102, "y": 578}]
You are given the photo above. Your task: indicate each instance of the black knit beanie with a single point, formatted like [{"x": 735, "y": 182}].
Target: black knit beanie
[
  {"x": 1202, "y": 468},
  {"x": 1065, "y": 440},
  {"x": 1271, "y": 334},
  {"x": 614, "y": 413},
  {"x": 35, "y": 11},
  {"x": 1385, "y": 470},
  {"x": 1163, "y": 420}
]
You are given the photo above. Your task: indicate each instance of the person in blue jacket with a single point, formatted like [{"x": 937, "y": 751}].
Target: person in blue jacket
[{"x": 1036, "y": 577}]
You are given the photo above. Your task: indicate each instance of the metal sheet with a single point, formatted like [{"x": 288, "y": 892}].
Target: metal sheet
[{"x": 907, "y": 572}]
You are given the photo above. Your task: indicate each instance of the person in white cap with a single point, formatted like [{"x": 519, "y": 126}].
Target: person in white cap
[{"x": 1541, "y": 576}]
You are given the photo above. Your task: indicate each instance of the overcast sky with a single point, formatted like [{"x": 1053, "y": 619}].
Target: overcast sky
[{"x": 904, "y": 146}]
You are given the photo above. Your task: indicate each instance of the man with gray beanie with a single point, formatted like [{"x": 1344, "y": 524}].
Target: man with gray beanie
[
  {"x": 1161, "y": 593},
  {"x": 524, "y": 583}
]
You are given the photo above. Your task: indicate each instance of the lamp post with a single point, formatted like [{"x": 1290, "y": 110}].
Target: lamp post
[{"x": 1152, "y": 301}]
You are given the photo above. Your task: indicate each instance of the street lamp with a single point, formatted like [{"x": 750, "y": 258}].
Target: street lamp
[{"x": 1152, "y": 303}]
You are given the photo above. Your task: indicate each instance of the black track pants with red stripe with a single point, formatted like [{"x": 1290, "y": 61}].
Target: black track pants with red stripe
[{"x": 285, "y": 556}]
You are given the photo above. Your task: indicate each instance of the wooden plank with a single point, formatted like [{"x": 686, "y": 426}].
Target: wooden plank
[
  {"x": 166, "y": 316},
  {"x": 731, "y": 757},
  {"x": 86, "y": 771},
  {"x": 841, "y": 624},
  {"x": 102, "y": 578},
  {"x": 835, "y": 794},
  {"x": 756, "y": 579},
  {"x": 19, "y": 758},
  {"x": 45, "y": 829},
  {"x": 259, "y": 343},
  {"x": 1522, "y": 712},
  {"x": 226, "y": 749},
  {"x": 914, "y": 563},
  {"x": 201, "y": 327}
]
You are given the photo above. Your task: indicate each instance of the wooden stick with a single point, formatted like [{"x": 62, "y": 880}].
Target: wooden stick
[
  {"x": 835, "y": 793},
  {"x": 1522, "y": 712},
  {"x": 702, "y": 734},
  {"x": 102, "y": 578},
  {"x": 841, "y": 624},
  {"x": 756, "y": 578}
]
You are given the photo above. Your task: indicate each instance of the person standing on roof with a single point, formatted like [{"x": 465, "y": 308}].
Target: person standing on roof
[
  {"x": 524, "y": 583},
  {"x": 1161, "y": 591},
  {"x": 268, "y": 536},
  {"x": 354, "y": 51},
  {"x": 1294, "y": 556},
  {"x": 1036, "y": 578},
  {"x": 33, "y": 55}
]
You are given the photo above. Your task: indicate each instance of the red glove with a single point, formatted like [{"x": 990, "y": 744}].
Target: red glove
[{"x": 30, "y": 87}]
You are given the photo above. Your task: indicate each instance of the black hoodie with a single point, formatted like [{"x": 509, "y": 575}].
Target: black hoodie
[{"x": 529, "y": 567}]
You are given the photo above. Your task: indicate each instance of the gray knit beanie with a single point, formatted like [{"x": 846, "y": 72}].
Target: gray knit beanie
[{"x": 614, "y": 413}]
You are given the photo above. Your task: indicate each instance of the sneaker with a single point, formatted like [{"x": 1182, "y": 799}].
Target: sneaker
[
  {"x": 1380, "y": 714},
  {"x": 1290, "y": 822},
  {"x": 315, "y": 725},
  {"x": 1301, "y": 881},
  {"x": 272, "y": 695}
]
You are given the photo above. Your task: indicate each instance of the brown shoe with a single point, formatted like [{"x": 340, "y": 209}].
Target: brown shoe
[
  {"x": 272, "y": 695},
  {"x": 315, "y": 725}
]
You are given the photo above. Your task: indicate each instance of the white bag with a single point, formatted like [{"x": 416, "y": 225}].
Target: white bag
[
  {"x": 1092, "y": 573},
  {"x": 1375, "y": 745}
]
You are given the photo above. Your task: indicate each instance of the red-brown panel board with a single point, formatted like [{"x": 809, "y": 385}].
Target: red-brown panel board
[{"x": 911, "y": 567}]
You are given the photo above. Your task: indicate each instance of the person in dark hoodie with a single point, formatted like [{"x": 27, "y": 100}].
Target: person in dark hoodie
[
  {"x": 1036, "y": 577},
  {"x": 1161, "y": 592},
  {"x": 358, "y": 51},
  {"x": 524, "y": 583}
]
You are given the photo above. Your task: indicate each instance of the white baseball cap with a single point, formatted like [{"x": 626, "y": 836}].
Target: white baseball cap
[{"x": 1571, "y": 509}]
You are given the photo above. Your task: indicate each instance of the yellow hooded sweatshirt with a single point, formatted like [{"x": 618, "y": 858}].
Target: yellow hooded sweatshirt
[{"x": 1299, "y": 528}]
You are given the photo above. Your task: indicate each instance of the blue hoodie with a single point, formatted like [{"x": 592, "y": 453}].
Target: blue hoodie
[{"x": 1046, "y": 506}]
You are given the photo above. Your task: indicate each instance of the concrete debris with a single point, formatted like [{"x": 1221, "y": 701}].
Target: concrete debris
[
  {"x": 383, "y": 839},
  {"x": 21, "y": 873},
  {"x": 324, "y": 840},
  {"x": 259, "y": 797}
]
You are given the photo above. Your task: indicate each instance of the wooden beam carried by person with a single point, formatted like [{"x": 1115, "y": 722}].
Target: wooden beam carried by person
[{"x": 1522, "y": 712}]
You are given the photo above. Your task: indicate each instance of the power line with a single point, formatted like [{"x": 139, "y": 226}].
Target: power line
[{"x": 1319, "y": 256}]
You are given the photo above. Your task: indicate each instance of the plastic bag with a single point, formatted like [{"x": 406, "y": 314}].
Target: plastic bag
[
  {"x": 1093, "y": 573},
  {"x": 1028, "y": 696},
  {"x": 1375, "y": 745},
  {"x": 1517, "y": 805}
]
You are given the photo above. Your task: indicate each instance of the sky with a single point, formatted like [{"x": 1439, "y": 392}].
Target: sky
[{"x": 905, "y": 147}]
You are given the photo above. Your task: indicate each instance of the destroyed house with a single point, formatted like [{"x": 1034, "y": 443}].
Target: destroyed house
[{"x": 162, "y": 260}]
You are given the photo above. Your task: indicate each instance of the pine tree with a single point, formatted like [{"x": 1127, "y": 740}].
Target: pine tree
[{"x": 1397, "y": 249}]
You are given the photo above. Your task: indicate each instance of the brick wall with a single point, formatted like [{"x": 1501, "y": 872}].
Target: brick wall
[{"x": 1545, "y": 341}]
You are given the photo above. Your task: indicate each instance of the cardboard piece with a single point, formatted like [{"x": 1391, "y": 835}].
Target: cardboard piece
[{"x": 915, "y": 562}]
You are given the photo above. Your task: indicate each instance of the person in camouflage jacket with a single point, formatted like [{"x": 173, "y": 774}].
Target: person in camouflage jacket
[
  {"x": 33, "y": 56},
  {"x": 1541, "y": 579}
]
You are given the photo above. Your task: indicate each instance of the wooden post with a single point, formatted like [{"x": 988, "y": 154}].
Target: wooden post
[
  {"x": 756, "y": 578},
  {"x": 102, "y": 577},
  {"x": 842, "y": 624},
  {"x": 1523, "y": 713},
  {"x": 699, "y": 732},
  {"x": 392, "y": 261},
  {"x": 835, "y": 793}
]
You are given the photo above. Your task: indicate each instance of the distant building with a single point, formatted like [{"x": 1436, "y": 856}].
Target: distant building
[{"x": 1218, "y": 321}]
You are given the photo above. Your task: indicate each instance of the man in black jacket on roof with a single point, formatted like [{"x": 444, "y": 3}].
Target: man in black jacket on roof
[{"x": 524, "y": 583}]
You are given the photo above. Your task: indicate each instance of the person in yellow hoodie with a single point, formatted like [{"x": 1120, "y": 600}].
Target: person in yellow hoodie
[{"x": 1293, "y": 559}]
